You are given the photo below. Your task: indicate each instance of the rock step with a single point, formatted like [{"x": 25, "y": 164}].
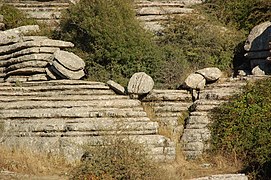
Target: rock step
[
  {"x": 198, "y": 120},
  {"x": 67, "y": 104},
  {"x": 159, "y": 4},
  {"x": 57, "y": 82},
  {"x": 93, "y": 125},
  {"x": 177, "y": 108},
  {"x": 196, "y": 135},
  {"x": 168, "y": 3},
  {"x": 168, "y": 95},
  {"x": 162, "y": 11},
  {"x": 58, "y": 93},
  {"x": 60, "y": 97},
  {"x": 73, "y": 112},
  {"x": 157, "y": 144},
  {"x": 39, "y": 5},
  {"x": 40, "y": 15}
]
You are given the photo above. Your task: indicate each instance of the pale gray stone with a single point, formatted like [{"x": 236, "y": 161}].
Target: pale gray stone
[
  {"x": 117, "y": 88},
  {"x": 37, "y": 43},
  {"x": 257, "y": 71},
  {"x": 210, "y": 74},
  {"x": 22, "y": 30},
  {"x": 50, "y": 74},
  {"x": 140, "y": 83},
  {"x": 1, "y": 18},
  {"x": 65, "y": 73},
  {"x": 26, "y": 71},
  {"x": 69, "y": 60},
  {"x": 37, "y": 77},
  {"x": 27, "y": 64},
  {"x": 259, "y": 37},
  {"x": 195, "y": 81},
  {"x": 8, "y": 38},
  {"x": 224, "y": 177}
]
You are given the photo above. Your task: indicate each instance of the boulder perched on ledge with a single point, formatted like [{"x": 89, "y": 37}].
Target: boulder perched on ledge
[{"x": 140, "y": 83}]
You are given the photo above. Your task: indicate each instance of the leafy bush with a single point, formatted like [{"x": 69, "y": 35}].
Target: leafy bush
[
  {"x": 14, "y": 18},
  {"x": 116, "y": 44},
  {"x": 242, "y": 127},
  {"x": 202, "y": 43},
  {"x": 121, "y": 159},
  {"x": 244, "y": 14}
]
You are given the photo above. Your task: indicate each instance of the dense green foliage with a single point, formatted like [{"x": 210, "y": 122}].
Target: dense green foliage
[
  {"x": 116, "y": 45},
  {"x": 202, "y": 42},
  {"x": 242, "y": 127},
  {"x": 244, "y": 14},
  {"x": 14, "y": 17},
  {"x": 122, "y": 159}
]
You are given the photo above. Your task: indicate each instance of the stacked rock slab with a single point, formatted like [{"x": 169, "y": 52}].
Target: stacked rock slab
[
  {"x": 168, "y": 108},
  {"x": 196, "y": 133},
  {"x": 153, "y": 13},
  {"x": 27, "y": 58},
  {"x": 224, "y": 177},
  {"x": 60, "y": 116},
  {"x": 258, "y": 49},
  {"x": 48, "y": 11}
]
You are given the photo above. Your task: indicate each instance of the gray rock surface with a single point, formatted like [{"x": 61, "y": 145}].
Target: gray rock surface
[
  {"x": 195, "y": 81},
  {"x": 224, "y": 177},
  {"x": 140, "y": 83},
  {"x": 59, "y": 116},
  {"x": 210, "y": 74},
  {"x": 119, "y": 89},
  {"x": 257, "y": 71},
  {"x": 66, "y": 73},
  {"x": 69, "y": 60},
  {"x": 23, "y": 30},
  {"x": 259, "y": 37}
]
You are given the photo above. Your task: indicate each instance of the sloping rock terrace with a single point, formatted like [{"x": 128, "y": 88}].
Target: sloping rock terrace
[{"x": 59, "y": 116}]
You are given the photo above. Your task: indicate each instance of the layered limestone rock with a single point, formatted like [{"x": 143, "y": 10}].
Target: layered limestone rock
[
  {"x": 59, "y": 116},
  {"x": 196, "y": 134},
  {"x": 224, "y": 177},
  {"x": 48, "y": 11},
  {"x": 169, "y": 108},
  {"x": 2, "y": 25},
  {"x": 34, "y": 58},
  {"x": 258, "y": 50},
  {"x": 154, "y": 13}
]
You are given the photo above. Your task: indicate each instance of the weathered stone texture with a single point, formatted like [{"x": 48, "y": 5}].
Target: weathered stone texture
[
  {"x": 140, "y": 83},
  {"x": 60, "y": 116}
]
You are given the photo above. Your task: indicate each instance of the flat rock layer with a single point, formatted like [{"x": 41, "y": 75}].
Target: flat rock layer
[{"x": 59, "y": 116}]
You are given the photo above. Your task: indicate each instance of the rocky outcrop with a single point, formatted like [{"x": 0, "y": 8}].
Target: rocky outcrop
[
  {"x": 258, "y": 50},
  {"x": 48, "y": 11},
  {"x": 59, "y": 116},
  {"x": 197, "y": 134},
  {"x": 154, "y": 13},
  {"x": 169, "y": 108},
  {"x": 224, "y": 177},
  {"x": 34, "y": 58}
]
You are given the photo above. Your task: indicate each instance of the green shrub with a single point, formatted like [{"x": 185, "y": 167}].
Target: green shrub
[
  {"x": 116, "y": 44},
  {"x": 14, "y": 18},
  {"x": 244, "y": 14},
  {"x": 121, "y": 159},
  {"x": 202, "y": 43},
  {"x": 242, "y": 127}
]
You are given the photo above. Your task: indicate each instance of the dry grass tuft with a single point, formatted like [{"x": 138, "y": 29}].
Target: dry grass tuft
[{"x": 26, "y": 162}]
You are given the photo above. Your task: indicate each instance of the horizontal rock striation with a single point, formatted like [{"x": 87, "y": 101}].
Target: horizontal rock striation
[
  {"x": 224, "y": 177},
  {"x": 196, "y": 134},
  {"x": 60, "y": 116},
  {"x": 153, "y": 13},
  {"x": 168, "y": 108},
  {"x": 44, "y": 11}
]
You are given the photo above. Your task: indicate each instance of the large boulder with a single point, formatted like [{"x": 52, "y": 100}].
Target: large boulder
[
  {"x": 66, "y": 65},
  {"x": 210, "y": 74},
  {"x": 259, "y": 37},
  {"x": 140, "y": 83},
  {"x": 195, "y": 81}
]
